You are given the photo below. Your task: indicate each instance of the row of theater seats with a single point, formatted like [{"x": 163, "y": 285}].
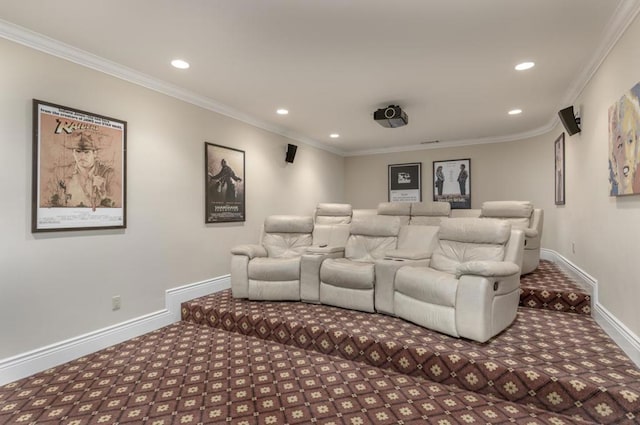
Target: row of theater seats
[
  {"x": 460, "y": 277},
  {"x": 521, "y": 214}
]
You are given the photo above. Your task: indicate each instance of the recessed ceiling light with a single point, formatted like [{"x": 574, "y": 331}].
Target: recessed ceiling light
[
  {"x": 515, "y": 111},
  {"x": 524, "y": 65},
  {"x": 282, "y": 111},
  {"x": 334, "y": 135},
  {"x": 180, "y": 64}
]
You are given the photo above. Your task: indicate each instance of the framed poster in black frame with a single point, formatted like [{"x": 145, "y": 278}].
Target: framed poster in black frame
[
  {"x": 559, "y": 169},
  {"x": 405, "y": 182},
  {"x": 452, "y": 182},
  {"x": 224, "y": 184}
]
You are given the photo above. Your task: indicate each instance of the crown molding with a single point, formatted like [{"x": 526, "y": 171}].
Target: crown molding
[
  {"x": 457, "y": 143},
  {"x": 81, "y": 57}
]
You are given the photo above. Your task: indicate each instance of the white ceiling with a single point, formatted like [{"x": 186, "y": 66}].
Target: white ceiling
[{"x": 447, "y": 63}]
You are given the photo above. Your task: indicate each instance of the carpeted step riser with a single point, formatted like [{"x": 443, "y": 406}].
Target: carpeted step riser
[
  {"x": 549, "y": 288},
  {"x": 566, "y": 395}
]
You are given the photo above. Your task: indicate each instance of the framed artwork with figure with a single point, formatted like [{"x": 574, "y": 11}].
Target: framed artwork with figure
[
  {"x": 452, "y": 182},
  {"x": 405, "y": 182},
  {"x": 224, "y": 184},
  {"x": 624, "y": 156},
  {"x": 79, "y": 170},
  {"x": 559, "y": 169}
]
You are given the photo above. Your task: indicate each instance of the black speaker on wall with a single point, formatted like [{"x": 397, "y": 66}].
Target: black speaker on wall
[
  {"x": 291, "y": 153},
  {"x": 569, "y": 120}
]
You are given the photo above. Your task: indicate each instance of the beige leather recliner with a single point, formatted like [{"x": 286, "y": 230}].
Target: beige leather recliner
[
  {"x": 471, "y": 288},
  {"x": 332, "y": 213},
  {"x": 429, "y": 213},
  {"x": 271, "y": 270},
  {"x": 521, "y": 215},
  {"x": 402, "y": 210},
  {"x": 349, "y": 282}
]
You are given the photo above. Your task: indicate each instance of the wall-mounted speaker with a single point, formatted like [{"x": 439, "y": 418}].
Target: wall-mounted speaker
[
  {"x": 570, "y": 122},
  {"x": 291, "y": 153}
]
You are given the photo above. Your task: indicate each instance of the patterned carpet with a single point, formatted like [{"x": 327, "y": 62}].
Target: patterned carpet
[
  {"x": 190, "y": 374},
  {"x": 550, "y": 288},
  {"x": 241, "y": 362},
  {"x": 560, "y": 362}
]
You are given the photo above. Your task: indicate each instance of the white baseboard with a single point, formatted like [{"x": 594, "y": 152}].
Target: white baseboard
[
  {"x": 618, "y": 331},
  {"x": 26, "y": 364}
]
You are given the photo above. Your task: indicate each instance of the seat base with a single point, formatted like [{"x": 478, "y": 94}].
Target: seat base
[
  {"x": 354, "y": 299},
  {"x": 274, "y": 290}
]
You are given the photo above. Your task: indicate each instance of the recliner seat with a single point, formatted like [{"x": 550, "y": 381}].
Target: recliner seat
[
  {"x": 471, "y": 287},
  {"x": 521, "y": 215},
  {"x": 271, "y": 270},
  {"x": 349, "y": 282}
]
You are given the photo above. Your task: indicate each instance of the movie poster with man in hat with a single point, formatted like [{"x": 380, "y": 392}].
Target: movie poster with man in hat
[{"x": 79, "y": 170}]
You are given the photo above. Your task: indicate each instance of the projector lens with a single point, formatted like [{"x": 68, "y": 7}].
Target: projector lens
[{"x": 389, "y": 113}]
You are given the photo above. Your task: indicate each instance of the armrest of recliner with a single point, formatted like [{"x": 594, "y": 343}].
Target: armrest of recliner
[
  {"x": 407, "y": 254},
  {"x": 478, "y": 315},
  {"x": 310, "y": 264},
  {"x": 530, "y": 233},
  {"x": 250, "y": 251},
  {"x": 324, "y": 249},
  {"x": 487, "y": 268},
  {"x": 385, "y": 275}
]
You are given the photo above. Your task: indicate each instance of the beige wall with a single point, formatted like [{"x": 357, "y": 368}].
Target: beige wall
[
  {"x": 605, "y": 230},
  {"x": 521, "y": 170},
  {"x": 59, "y": 285}
]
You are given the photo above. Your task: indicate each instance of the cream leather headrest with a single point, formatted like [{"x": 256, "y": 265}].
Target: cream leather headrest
[
  {"x": 333, "y": 209},
  {"x": 375, "y": 225},
  {"x": 394, "y": 208},
  {"x": 475, "y": 230},
  {"x": 437, "y": 209},
  {"x": 505, "y": 209},
  {"x": 288, "y": 224}
]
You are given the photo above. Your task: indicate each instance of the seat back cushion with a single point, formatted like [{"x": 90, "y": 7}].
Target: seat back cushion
[
  {"x": 330, "y": 234},
  {"x": 371, "y": 236},
  {"x": 329, "y": 213},
  {"x": 469, "y": 239},
  {"x": 418, "y": 238},
  {"x": 285, "y": 245},
  {"x": 287, "y": 236}
]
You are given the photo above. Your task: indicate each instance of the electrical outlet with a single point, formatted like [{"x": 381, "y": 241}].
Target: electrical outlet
[{"x": 115, "y": 303}]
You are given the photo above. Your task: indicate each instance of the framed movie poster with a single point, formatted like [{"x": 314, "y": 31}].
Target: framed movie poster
[
  {"x": 79, "y": 170},
  {"x": 624, "y": 152},
  {"x": 224, "y": 184},
  {"x": 559, "y": 169},
  {"x": 452, "y": 182},
  {"x": 405, "y": 182}
]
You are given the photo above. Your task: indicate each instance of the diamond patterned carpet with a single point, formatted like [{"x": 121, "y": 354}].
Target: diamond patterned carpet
[
  {"x": 550, "y": 288},
  {"x": 190, "y": 374},
  {"x": 241, "y": 362},
  {"x": 564, "y": 363}
]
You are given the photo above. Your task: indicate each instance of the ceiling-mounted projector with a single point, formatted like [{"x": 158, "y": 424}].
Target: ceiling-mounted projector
[{"x": 392, "y": 116}]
